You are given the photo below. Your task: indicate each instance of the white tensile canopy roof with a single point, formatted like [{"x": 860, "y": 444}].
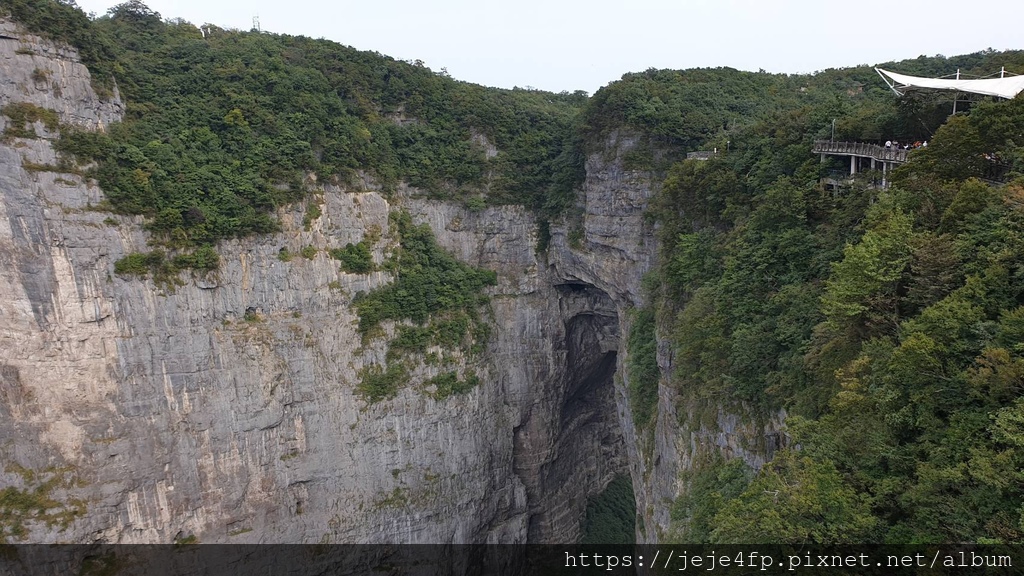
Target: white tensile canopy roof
[{"x": 1007, "y": 87}]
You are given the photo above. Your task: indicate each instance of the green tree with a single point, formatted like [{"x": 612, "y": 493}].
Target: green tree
[
  {"x": 862, "y": 288},
  {"x": 795, "y": 500}
]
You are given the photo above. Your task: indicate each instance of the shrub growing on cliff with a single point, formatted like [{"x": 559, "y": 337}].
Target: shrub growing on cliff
[
  {"x": 355, "y": 258},
  {"x": 23, "y": 114},
  {"x": 439, "y": 295},
  {"x": 164, "y": 269},
  {"x": 36, "y": 503},
  {"x": 448, "y": 384},
  {"x": 377, "y": 383},
  {"x": 642, "y": 346},
  {"x": 428, "y": 281},
  {"x": 204, "y": 258},
  {"x": 139, "y": 263},
  {"x": 65, "y": 22}
]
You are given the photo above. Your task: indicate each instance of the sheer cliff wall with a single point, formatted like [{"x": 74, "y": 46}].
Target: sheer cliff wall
[{"x": 224, "y": 408}]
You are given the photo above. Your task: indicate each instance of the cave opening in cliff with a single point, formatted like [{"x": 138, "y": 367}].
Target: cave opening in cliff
[{"x": 585, "y": 452}]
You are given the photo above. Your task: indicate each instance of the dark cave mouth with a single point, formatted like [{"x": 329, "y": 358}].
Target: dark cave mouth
[
  {"x": 609, "y": 516},
  {"x": 587, "y": 482},
  {"x": 591, "y": 353}
]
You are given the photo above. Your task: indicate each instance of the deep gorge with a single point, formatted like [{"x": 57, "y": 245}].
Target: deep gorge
[
  {"x": 221, "y": 409},
  {"x": 261, "y": 288}
]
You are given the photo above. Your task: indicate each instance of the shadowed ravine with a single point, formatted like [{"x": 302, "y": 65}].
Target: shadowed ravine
[{"x": 588, "y": 437}]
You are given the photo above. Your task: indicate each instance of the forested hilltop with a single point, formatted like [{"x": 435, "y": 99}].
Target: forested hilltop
[
  {"x": 222, "y": 125},
  {"x": 888, "y": 324}
]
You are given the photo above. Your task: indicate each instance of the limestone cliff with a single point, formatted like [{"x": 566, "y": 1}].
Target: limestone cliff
[{"x": 224, "y": 408}]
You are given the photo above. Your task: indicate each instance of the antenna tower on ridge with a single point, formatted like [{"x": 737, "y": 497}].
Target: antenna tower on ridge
[{"x": 256, "y": 23}]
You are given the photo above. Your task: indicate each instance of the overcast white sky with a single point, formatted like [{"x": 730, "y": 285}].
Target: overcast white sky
[{"x": 584, "y": 44}]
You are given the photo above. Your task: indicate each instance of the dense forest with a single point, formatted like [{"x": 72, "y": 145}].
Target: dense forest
[
  {"x": 222, "y": 126},
  {"x": 887, "y": 323}
]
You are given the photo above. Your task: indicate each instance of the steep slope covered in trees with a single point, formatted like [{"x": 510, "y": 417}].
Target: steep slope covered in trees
[{"x": 881, "y": 321}]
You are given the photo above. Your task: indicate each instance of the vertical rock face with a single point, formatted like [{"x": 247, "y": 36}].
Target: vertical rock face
[
  {"x": 51, "y": 76},
  {"x": 224, "y": 407},
  {"x": 618, "y": 247}
]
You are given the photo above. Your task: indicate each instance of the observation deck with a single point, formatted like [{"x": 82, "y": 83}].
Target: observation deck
[
  {"x": 702, "y": 154},
  {"x": 860, "y": 152}
]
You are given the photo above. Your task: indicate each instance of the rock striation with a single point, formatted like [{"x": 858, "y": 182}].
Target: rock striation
[{"x": 51, "y": 76}]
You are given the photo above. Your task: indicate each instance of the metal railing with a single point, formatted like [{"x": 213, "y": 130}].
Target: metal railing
[
  {"x": 701, "y": 155},
  {"x": 861, "y": 149}
]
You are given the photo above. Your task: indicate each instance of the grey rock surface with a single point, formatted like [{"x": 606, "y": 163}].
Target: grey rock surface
[{"x": 51, "y": 76}]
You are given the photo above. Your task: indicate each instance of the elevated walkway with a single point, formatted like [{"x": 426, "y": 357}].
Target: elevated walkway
[
  {"x": 861, "y": 150},
  {"x": 861, "y": 153}
]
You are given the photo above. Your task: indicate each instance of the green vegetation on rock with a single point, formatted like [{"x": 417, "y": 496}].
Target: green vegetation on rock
[
  {"x": 37, "y": 502},
  {"x": 441, "y": 296},
  {"x": 23, "y": 114},
  {"x": 448, "y": 383},
  {"x": 611, "y": 516},
  {"x": 428, "y": 281},
  {"x": 355, "y": 258},
  {"x": 879, "y": 320},
  {"x": 642, "y": 347},
  {"x": 709, "y": 486},
  {"x": 223, "y": 126},
  {"x": 886, "y": 323},
  {"x": 63, "y": 21},
  {"x": 165, "y": 269}
]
